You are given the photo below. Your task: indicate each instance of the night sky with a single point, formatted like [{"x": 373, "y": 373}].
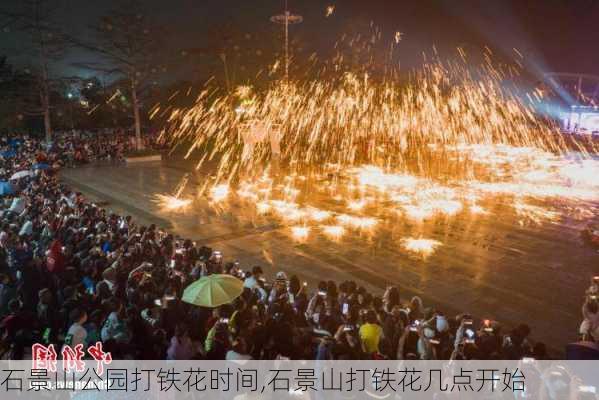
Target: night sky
[{"x": 555, "y": 35}]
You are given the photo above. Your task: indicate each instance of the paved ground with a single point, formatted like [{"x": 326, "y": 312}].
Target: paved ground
[{"x": 490, "y": 267}]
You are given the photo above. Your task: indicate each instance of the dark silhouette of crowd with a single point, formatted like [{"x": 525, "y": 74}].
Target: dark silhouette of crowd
[{"x": 72, "y": 272}]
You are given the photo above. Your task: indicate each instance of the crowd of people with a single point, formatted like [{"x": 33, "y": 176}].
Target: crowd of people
[{"x": 72, "y": 272}]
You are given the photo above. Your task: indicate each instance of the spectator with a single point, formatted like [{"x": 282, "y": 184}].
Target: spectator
[
  {"x": 370, "y": 334},
  {"x": 238, "y": 350},
  {"x": 181, "y": 347},
  {"x": 589, "y": 329},
  {"x": 77, "y": 334}
]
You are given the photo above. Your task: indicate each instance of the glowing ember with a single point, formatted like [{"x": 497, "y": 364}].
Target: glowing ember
[
  {"x": 357, "y": 222},
  {"x": 329, "y": 11},
  {"x": 476, "y": 209},
  {"x": 534, "y": 214},
  {"x": 300, "y": 233},
  {"x": 219, "y": 193},
  {"x": 356, "y": 205},
  {"x": 317, "y": 215},
  {"x": 333, "y": 232},
  {"x": 422, "y": 247},
  {"x": 263, "y": 207},
  {"x": 418, "y": 213},
  {"x": 172, "y": 203}
]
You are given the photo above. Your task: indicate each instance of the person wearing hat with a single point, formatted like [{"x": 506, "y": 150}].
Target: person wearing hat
[{"x": 278, "y": 293}]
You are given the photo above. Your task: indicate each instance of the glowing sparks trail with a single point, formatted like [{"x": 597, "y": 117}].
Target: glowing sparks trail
[
  {"x": 358, "y": 155},
  {"x": 174, "y": 203},
  {"x": 421, "y": 247},
  {"x": 352, "y": 120}
]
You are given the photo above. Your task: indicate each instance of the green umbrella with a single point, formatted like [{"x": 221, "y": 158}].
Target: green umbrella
[{"x": 213, "y": 290}]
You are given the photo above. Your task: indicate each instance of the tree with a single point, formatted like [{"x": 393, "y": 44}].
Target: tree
[
  {"x": 129, "y": 44},
  {"x": 44, "y": 42}
]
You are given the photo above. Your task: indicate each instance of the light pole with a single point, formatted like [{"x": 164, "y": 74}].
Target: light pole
[{"x": 286, "y": 19}]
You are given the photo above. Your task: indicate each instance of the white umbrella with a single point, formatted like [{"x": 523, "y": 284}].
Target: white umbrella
[{"x": 19, "y": 175}]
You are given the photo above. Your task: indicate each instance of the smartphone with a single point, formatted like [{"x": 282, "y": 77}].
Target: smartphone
[
  {"x": 348, "y": 328},
  {"x": 322, "y": 293},
  {"x": 528, "y": 360},
  {"x": 587, "y": 389},
  {"x": 434, "y": 341},
  {"x": 158, "y": 302},
  {"x": 224, "y": 320},
  {"x": 345, "y": 308},
  {"x": 470, "y": 335}
]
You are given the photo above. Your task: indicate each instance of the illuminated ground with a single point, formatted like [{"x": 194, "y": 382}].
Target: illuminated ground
[{"x": 494, "y": 266}]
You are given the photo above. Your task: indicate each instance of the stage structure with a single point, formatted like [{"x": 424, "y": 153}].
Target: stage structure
[{"x": 580, "y": 93}]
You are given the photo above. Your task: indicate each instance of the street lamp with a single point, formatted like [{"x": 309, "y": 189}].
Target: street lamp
[{"x": 286, "y": 19}]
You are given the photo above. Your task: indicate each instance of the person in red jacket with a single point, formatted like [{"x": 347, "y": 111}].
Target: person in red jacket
[{"x": 55, "y": 257}]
